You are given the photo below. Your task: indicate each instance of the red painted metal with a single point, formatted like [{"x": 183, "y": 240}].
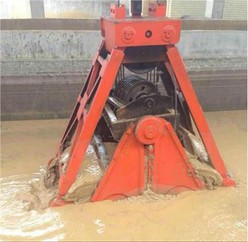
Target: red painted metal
[
  {"x": 172, "y": 172},
  {"x": 126, "y": 173},
  {"x": 156, "y": 10},
  {"x": 89, "y": 84},
  {"x": 117, "y": 11},
  {"x": 125, "y": 33},
  {"x": 197, "y": 113},
  {"x": 90, "y": 120}
]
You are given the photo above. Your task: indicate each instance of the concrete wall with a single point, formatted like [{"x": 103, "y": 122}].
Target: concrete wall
[
  {"x": 230, "y": 9},
  {"x": 213, "y": 44},
  {"x": 235, "y": 9},
  {"x": 23, "y": 48},
  {"x": 179, "y": 8}
]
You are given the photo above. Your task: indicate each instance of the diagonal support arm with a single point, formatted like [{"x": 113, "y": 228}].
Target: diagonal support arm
[
  {"x": 197, "y": 113},
  {"x": 90, "y": 121}
]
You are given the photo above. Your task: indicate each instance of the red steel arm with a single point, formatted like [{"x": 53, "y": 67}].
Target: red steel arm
[
  {"x": 197, "y": 113},
  {"x": 90, "y": 120}
]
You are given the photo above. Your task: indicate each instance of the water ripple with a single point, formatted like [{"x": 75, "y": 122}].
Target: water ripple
[{"x": 18, "y": 223}]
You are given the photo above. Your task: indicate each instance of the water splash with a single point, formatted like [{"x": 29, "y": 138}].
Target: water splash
[{"x": 18, "y": 223}]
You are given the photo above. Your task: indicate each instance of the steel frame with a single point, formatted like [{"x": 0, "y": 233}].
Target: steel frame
[{"x": 125, "y": 174}]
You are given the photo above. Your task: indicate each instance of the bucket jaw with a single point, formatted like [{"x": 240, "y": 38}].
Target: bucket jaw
[{"x": 149, "y": 155}]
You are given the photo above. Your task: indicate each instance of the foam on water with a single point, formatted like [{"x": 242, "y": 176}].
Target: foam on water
[{"x": 16, "y": 222}]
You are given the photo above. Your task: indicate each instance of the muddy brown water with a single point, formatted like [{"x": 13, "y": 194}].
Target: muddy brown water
[{"x": 212, "y": 215}]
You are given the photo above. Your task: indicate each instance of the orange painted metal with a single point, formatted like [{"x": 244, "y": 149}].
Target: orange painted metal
[
  {"x": 166, "y": 170},
  {"x": 89, "y": 121},
  {"x": 92, "y": 76},
  {"x": 156, "y": 10},
  {"x": 197, "y": 113},
  {"x": 125, "y": 174},
  {"x": 117, "y": 11},
  {"x": 172, "y": 171},
  {"x": 139, "y": 31}
]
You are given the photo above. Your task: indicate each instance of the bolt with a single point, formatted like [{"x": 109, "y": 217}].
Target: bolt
[{"x": 150, "y": 132}]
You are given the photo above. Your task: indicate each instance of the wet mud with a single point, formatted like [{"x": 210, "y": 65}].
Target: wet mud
[{"x": 210, "y": 215}]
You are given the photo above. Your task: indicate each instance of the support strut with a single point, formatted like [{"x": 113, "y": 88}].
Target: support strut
[
  {"x": 88, "y": 117},
  {"x": 197, "y": 113}
]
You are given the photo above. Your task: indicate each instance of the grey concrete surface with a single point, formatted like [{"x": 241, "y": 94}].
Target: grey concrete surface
[
  {"x": 213, "y": 44},
  {"x": 94, "y": 24},
  {"x": 235, "y": 9},
  {"x": 218, "y": 9},
  {"x": 80, "y": 67},
  {"x": 47, "y": 45},
  {"x": 44, "y": 52},
  {"x": 37, "y": 8},
  {"x": 76, "y": 45}
]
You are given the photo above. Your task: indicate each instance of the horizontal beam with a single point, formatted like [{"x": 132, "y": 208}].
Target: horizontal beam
[{"x": 94, "y": 24}]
